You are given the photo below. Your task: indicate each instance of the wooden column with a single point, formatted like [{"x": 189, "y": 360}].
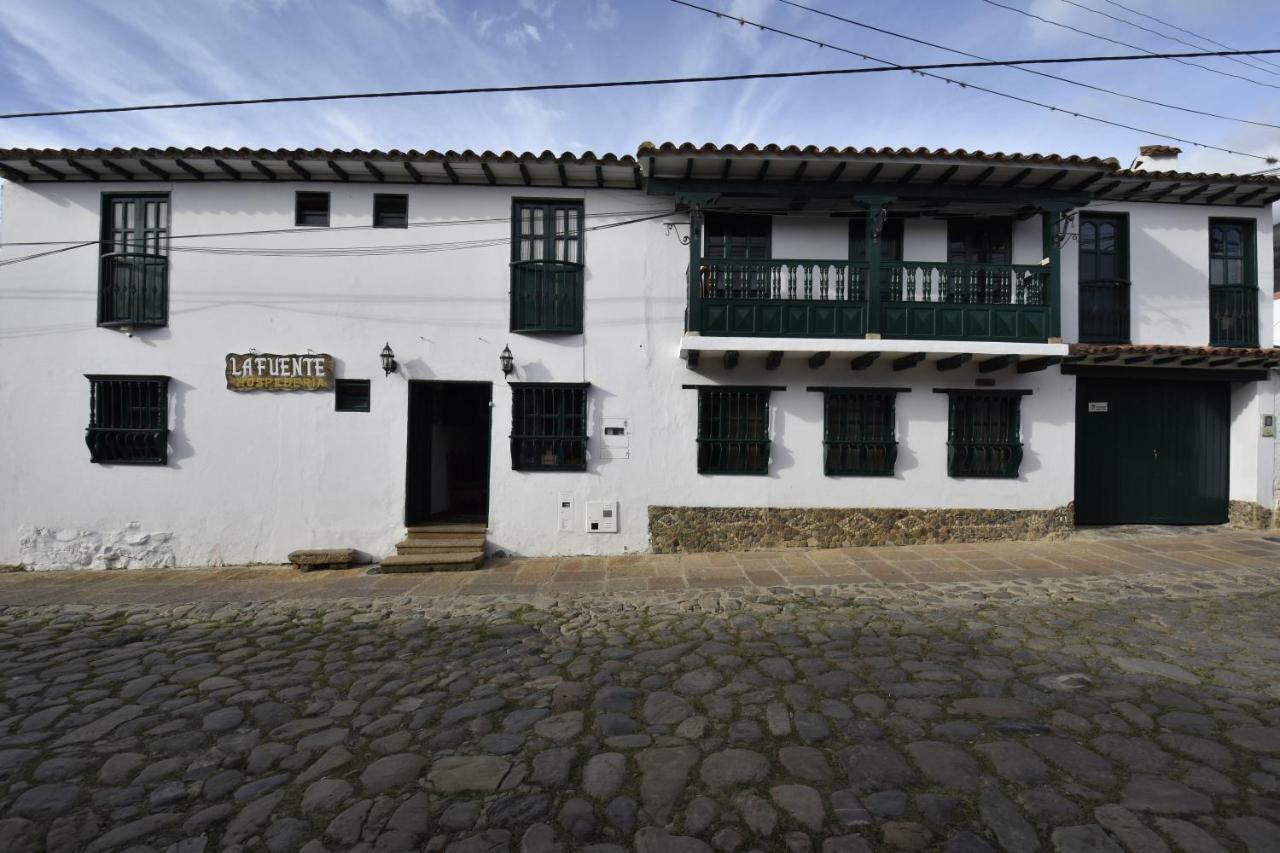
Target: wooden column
[
  {"x": 1049, "y": 215},
  {"x": 693, "y": 315}
]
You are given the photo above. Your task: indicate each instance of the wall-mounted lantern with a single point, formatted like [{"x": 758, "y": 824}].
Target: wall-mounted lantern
[
  {"x": 389, "y": 365},
  {"x": 508, "y": 362}
]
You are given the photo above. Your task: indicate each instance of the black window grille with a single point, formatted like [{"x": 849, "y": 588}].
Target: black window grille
[
  {"x": 859, "y": 432},
  {"x": 547, "y": 266},
  {"x": 984, "y": 433},
  {"x": 128, "y": 420},
  {"x": 311, "y": 208},
  {"x": 133, "y": 264},
  {"x": 733, "y": 430},
  {"x": 390, "y": 210},
  {"x": 351, "y": 395},
  {"x": 548, "y": 427}
]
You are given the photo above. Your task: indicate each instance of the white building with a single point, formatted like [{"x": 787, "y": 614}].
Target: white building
[{"x": 711, "y": 348}]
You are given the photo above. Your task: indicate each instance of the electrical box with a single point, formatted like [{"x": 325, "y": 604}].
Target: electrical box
[
  {"x": 1268, "y": 425},
  {"x": 564, "y": 517},
  {"x": 602, "y": 516},
  {"x": 616, "y": 441}
]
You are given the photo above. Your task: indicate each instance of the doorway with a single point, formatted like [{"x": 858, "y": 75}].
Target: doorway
[{"x": 447, "y": 477}]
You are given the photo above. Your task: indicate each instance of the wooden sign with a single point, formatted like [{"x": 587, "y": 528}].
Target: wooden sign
[{"x": 269, "y": 372}]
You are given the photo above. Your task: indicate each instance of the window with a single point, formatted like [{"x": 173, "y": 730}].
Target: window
[
  {"x": 979, "y": 241},
  {"x": 984, "y": 433},
  {"x": 859, "y": 431},
  {"x": 311, "y": 209},
  {"x": 133, "y": 267},
  {"x": 737, "y": 236},
  {"x": 890, "y": 239},
  {"x": 390, "y": 210},
  {"x": 128, "y": 420},
  {"x": 733, "y": 430},
  {"x": 351, "y": 395},
  {"x": 1104, "y": 278},
  {"x": 1231, "y": 253},
  {"x": 548, "y": 427},
  {"x": 546, "y": 266}
]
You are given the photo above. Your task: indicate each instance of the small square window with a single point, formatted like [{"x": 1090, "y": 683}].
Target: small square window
[
  {"x": 312, "y": 209},
  {"x": 548, "y": 427},
  {"x": 128, "y": 420},
  {"x": 351, "y": 395},
  {"x": 390, "y": 211},
  {"x": 859, "y": 432}
]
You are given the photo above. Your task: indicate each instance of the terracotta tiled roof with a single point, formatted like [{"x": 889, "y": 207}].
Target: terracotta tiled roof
[
  {"x": 773, "y": 150},
  {"x": 587, "y": 157},
  {"x": 1087, "y": 350},
  {"x": 1159, "y": 151}
]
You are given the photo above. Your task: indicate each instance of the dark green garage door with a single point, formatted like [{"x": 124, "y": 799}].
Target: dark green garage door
[{"x": 1151, "y": 451}]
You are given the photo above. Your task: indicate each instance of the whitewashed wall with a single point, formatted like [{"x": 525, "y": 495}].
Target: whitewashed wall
[{"x": 253, "y": 476}]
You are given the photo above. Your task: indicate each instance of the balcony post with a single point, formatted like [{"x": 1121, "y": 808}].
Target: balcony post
[
  {"x": 872, "y": 224},
  {"x": 693, "y": 318},
  {"x": 1050, "y": 213}
]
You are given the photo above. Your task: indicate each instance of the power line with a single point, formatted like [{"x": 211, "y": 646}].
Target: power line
[
  {"x": 329, "y": 229},
  {"x": 966, "y": 85},
  {"x": 1178, "y": 28},
  {"x": 1126, "y": 44},
  {"x": 1048, "y": 76},
  {"x": 1160, "y": 34},
  {"x": 617, "y": 84}
]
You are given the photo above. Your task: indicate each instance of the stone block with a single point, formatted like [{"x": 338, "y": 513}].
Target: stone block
[{"x": 323, "y": 558}]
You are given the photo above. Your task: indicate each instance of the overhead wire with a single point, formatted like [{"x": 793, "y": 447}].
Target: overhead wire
[
  {"x": 967, "y": 85},
  {"x": 1172, "y": 26},
  {"x": 1100, "y": 37},
  {"x": 1159, "y": 34},
  {"x": 1044, "y": 74},
  {"x": 614, "y": 84}
]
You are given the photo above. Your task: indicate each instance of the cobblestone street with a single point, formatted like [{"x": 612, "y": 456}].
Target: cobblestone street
[{"x": 1100, "y": 710}]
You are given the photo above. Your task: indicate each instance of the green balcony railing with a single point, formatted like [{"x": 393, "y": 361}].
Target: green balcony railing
[
  {"x": 133, "y": 289},
  {"x": 783, "y": 297},
  {"x": 546, "y": 297},
  {"x": 1233, "y": 316},
  {"x": 788, "y": 297}
]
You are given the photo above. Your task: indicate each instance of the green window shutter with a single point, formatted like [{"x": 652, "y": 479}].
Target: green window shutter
[
  {"x": 984, "y": 433},
  {"x": 128, "y": 420},
  {"x": 548, "y": 426},
  {"x": 547, "y": 268},
  {"x": 133, "y": 263},
  {"x": 859, "y": 432},
  {"x": 733, "y": 430}
]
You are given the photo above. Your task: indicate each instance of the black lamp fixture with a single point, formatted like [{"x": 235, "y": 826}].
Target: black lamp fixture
[
  {"x": 389, "y": 365},
  {"x": 508, "y": 363}
]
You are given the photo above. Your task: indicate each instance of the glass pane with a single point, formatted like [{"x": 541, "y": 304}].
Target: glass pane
[
  {"x": 1235, "y": 271},
  {"x": 1217, "y": 271},
  {"x": 1215, "y": 240}
]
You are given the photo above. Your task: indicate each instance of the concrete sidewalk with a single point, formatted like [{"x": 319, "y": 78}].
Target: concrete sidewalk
[{"x": 1165, "y": 557}]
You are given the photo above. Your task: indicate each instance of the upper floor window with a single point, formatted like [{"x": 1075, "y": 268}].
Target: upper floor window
[
  {"x": 859, "y": 431},
  {"x": 1104, "y": 278},
  {"x": 390, "y": 210},
  {"x": 548, "y": 426},
  {"x": 311, "y": 208},
  {"x": 128, "y": 419},
  {"x": 733, "y": 430},
  {"x": 984, "y": 433},
  {"x": 547, "y": 266},
  {"x": 980, "y": 241},
  {"x": 1232, "y": 260},
  {"x": 133, "y": 267},
  {"x": 737, "y": 236}
]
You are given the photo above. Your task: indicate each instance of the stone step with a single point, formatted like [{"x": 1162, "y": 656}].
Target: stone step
[
  {"x": 444, "y": 531},
  {"x": 455, "y": 561},
  {"x": 452, "y": 543}
]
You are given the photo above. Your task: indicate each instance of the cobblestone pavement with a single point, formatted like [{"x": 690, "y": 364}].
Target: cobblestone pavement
[{"x": 1093, "y": 713}]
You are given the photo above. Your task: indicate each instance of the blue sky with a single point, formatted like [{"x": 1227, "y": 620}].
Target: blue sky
[{"x": 100, "y": 52}]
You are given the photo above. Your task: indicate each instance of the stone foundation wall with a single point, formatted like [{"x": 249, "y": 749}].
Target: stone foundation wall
[
  {"x": 675, "y": 529},
  {"x": 1251, "y": 516}
]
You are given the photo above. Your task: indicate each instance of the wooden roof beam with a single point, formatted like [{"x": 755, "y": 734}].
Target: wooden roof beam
[
  {"x": 910, "y": 173},
  {"x": 908, "y": 361},
  {"x": 338, "y": 170},
  {"x": 818, "y": 359},
  {"x": 121, "y": 172},
  {"x": 636, "y": 177},
  {"x": 1159, "y": 194},
  {"x": 299, "y": 169},
  {"x": 688, "y": 168},
  {"x": 1139, "y": 188},
  {"x": 448, "y": 171},
  {"x": 227, "y": 169},
  {"x": 263, "y": 170},
  {"x": 982, "y": 177},
  {"x": 51, "y": 172},
  {"x": 1089, "y": 181},
  {"x": 1137, "y": 359},
  {"x": 564, "y": 176},
  {"x": 1106, "y": 188},
  {"x": 1196, "y": 359},
  {"x": 730, "y": 359},
  {"x": 83, "y": 169},
  {"x": 184, "y": 166},
  {"x": 724, "y": 170},
  {"x": 1223, "y": 362},
  {"x": 998, "y": 363},
  {"x": 414, "y": 173},
  {"x": 375, "y": 171},
  {"x": 1018, "y": 178},
  {"x": 773, "y": 360},
  {"x": 1250, "y": 196},
  {"x": 799, "y": 172},
  {"x": 868, "y": 178},
  {"x": 1032, "y": 365},
  {"x": 1219, "y": 194},
  {"x": 599, "y": 175},
  {"x": 952, "y": 362},
  {"x": 946, "y": 174},
  {"x": 764, "y": 169},
  {"x": 691, "y": 360},
  {"x": 488, "y": 173},
  {"x": 1053, "y": 179},
  {"x": 13, "y": 174},
  {"x": 1195, "y": 192},
  {"x": 862, "y": 362},
  {"x": 1163, "y": 359}
]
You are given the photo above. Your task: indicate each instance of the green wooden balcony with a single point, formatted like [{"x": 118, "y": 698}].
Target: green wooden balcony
[{"x": 806, "y": 298}]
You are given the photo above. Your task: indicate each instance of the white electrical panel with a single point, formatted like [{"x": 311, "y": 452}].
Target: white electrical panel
[
  {"x": 616, "y": 441},
  {"x": 602, "y": 516},
  {"x": 564, "y": 516}
]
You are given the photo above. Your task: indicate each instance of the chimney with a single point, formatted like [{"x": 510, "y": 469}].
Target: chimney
[{"x": 1157, "y": 158}]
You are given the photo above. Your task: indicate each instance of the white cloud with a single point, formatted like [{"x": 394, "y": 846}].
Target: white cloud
[
  {"x": 602, "y": 15},
  {"x": 429, "y": 9}
]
